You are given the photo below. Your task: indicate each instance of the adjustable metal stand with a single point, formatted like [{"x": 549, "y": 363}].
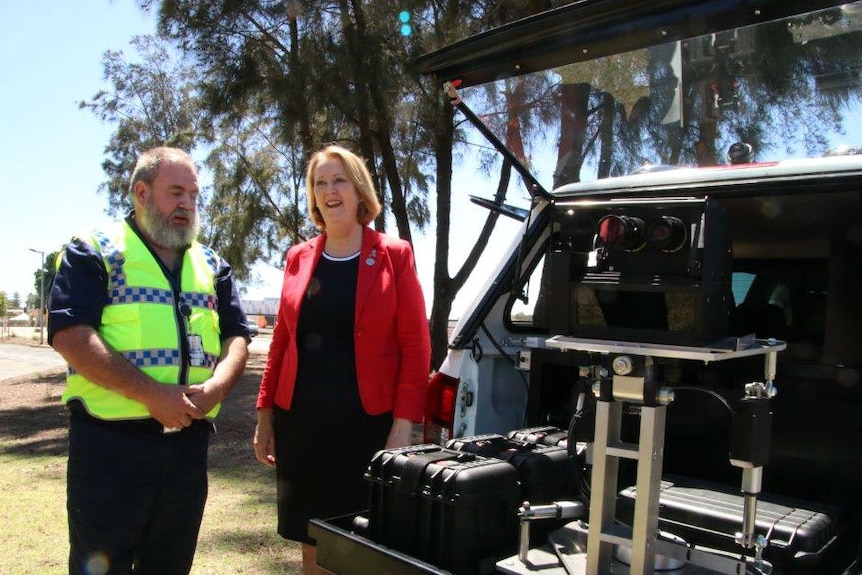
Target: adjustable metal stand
[{"x": 633, "y": 381}]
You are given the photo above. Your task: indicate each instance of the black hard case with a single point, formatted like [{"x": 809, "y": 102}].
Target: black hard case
[
  {"x": 801, "y": 536},
  {"x": 544, "y": 471},
  {"x": 453, "y": 509},
  {"x": 542, "y": 435}
]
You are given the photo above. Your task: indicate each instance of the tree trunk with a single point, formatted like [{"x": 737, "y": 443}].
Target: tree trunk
[
  {"x": 606, "y": 136},
  {"x": 443, "y": 143},
  {"x": 574, "y": 106},
  {"x": 364, "y": 116},
  {"x": 705, "y": 147}
]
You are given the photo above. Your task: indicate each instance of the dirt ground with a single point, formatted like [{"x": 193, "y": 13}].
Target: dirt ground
[{"x": 33, "y": 420}]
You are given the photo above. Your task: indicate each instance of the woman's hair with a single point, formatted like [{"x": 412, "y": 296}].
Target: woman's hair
[
  {"x": 149, "y": 162},
  {"x": 357, "y": 171}
]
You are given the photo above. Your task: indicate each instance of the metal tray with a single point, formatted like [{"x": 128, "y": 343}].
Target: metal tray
[{"x": 343, "y": 551}]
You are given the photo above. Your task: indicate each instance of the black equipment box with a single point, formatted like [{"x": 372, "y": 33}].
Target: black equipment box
[
  {"x": 452, "y": 509},
  {"x": 799, "y": 539},
  {"x": 543, "y": 470},
  {"x": 542, "y": 435},
  {"x": 657, "y": 272}
]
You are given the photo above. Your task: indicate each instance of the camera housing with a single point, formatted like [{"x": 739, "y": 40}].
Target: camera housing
[{"x": 641, "y": 270}]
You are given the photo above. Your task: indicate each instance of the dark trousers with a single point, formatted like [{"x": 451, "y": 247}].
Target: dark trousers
[
  {"x": 135, "y": 497},
  {"x": 313, "y": 482}
]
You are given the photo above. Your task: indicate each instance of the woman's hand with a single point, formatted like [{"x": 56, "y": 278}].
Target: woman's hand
[
  {"x": 401, "y": 434},
  {"x": 264, "y": 438}
]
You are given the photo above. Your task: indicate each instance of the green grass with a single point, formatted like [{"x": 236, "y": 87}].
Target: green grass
[
  {"x": 238, "y": 531},
  {"x": 237, "y": 535},
  {"x": 33, "y": 499}
]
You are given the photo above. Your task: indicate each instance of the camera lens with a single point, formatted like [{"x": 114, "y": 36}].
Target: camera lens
[
  {"x": 666, "y": 233},
  {"x": 624, "y": 232}
]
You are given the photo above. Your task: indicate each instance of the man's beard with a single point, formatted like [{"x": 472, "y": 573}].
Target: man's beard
[{"x": 164, "y": 233}]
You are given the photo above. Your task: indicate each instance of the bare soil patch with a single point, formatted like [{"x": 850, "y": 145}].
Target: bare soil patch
[{"x": 34, "y": 421}]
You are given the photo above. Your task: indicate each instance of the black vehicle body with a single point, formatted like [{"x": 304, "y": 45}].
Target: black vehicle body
[{"x": 710, "y": 312}]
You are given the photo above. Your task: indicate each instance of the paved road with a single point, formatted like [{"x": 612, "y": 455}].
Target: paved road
[{"x": 17, "y": 360}]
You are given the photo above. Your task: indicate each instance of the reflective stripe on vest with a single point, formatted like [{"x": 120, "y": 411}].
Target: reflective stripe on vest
[{"x": 141, "y": 320}]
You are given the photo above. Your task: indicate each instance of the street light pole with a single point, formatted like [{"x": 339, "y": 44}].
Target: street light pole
[{"x": 41, "y": 295}]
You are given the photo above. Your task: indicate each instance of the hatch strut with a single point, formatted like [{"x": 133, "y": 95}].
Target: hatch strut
[{"x": 533, "y": 184}]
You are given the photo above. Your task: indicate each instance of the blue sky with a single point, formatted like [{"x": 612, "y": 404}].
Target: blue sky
[{"x": 50, "y": 152}]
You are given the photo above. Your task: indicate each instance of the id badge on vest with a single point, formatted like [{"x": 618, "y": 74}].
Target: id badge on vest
[
  {"x": 197, "y": 358},
  {"x": 196, "y": 350}
]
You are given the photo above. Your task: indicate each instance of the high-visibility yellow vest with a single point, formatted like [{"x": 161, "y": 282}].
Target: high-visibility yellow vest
[{"x": 142, "y": 320}]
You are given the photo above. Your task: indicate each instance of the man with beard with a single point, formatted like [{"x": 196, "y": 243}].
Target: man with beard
[{"x": 150, "y": 323}]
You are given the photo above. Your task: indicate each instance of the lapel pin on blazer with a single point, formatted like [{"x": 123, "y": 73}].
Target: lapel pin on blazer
[{"x": 369, "y": 261}]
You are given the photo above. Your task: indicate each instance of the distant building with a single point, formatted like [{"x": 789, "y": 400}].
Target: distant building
[
  {"x": 18, "y": 317},
  {"x": 261, "y": 311}
]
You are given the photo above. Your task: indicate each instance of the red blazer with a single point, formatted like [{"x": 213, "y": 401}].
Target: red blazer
[{"x": 392, "y": 340}]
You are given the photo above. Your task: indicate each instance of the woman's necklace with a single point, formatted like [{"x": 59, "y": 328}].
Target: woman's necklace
[{"x": 345, "y": 246}]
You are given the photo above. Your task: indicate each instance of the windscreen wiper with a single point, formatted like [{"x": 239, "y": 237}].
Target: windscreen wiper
[{"x": 535, "y": 188}]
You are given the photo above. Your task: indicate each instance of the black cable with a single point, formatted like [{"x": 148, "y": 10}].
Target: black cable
[
  {"x": 582, "y": 480},
  {"x": 497, "y": 346},
  {"x": 714, "y": 394},
  {"x": 476, "y": 350},
  {"x": 578, "y": 464}
]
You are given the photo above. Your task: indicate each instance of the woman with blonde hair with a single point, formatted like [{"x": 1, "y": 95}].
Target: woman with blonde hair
[{"x": 350, "y": 354}]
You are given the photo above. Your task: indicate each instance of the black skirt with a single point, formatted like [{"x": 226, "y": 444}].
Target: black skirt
[{"x": 321, "y": 458}]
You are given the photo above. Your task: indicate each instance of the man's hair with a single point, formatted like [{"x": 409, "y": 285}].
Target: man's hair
[
  {"x": 357, "y": 171},
  {"x": 148, "y": 164}
]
